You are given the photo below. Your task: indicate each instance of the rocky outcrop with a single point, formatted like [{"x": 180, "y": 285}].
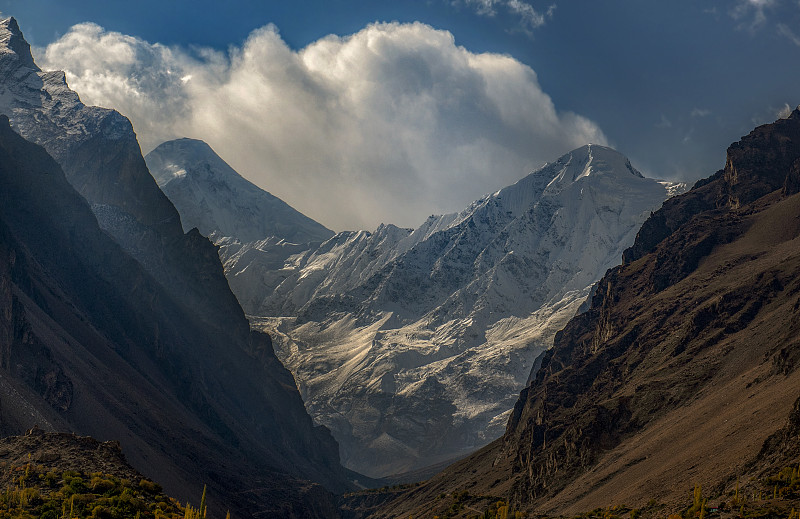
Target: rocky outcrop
[
  {"x": 762, "y": 162},
  {"x": 63, "y": 452}
]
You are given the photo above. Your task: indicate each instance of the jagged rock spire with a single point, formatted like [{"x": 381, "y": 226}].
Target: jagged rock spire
[{"x": 13, "y": 42}]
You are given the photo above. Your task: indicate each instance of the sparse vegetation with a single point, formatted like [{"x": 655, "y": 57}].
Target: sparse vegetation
[
  {"x": 46, "y": 494},
  {"x": 773, "y": 497}
]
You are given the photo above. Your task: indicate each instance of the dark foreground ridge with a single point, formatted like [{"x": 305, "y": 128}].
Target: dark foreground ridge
[
  {"x": 115, "y": 324},
  {"x": 682, "y": 373}
]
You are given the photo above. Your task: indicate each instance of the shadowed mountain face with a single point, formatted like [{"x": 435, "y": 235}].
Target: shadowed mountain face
[
  {"x": 98, "y": 339},
  {"x": 100, "y": 156},
  {"x": 92, "y": 343},
  {"x": 683, "y": 371}
]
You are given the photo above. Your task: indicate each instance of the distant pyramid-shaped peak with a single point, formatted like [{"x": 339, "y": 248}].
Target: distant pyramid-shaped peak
[{"x": 593, "y": 159}]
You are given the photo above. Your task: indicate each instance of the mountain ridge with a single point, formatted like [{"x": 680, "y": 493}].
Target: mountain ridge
[
  {"x": 391, "y": 322},
  {"x": 100, "y": 156},
  {"x": 682, "y": 372},
  {"x": 102, "y": 342}
]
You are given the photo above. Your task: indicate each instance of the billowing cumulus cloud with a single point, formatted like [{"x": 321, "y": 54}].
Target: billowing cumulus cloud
[{"x": 390, "y": 124}]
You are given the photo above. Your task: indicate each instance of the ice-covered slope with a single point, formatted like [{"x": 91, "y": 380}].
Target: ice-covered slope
[
  {"x": 412, "y": 345},
  {"x": 213, "y": 197}
]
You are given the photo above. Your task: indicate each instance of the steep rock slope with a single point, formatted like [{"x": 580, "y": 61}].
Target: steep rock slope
[
  {"x": 683, "y": 371},
  {"x": 98, "y": 151},
  {"x": 211, "y": 196},
  {"x": 96, "y": 345},
  {"x": 411, "y": 345},
  {"x": 94, "y": 342}
]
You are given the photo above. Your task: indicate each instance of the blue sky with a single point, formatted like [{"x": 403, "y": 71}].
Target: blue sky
[{"x": 670, "y": 84}]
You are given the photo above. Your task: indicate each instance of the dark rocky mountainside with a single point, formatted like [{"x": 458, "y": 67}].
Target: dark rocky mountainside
[
  {"x": 682, "y": 372},
  {"x": 100, "y": 156},
  {"x": 92, "y": 343},
  {"x": 115, "y": 324}
]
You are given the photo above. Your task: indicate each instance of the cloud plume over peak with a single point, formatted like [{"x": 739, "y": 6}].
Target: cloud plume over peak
[{"x": 389, "y": 124}]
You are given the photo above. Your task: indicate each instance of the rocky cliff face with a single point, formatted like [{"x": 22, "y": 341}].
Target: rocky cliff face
[
  {"x": 683, "y": 371},
  {"x": 102, "y": 343},
  {"x": 713, "y": 287},
  {"x": 98, "y": 151}
]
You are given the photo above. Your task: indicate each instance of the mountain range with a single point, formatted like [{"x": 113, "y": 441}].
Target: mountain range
[
  {"x": 118, "y": 325},
  {"x": 682, "y": 374},
  {"x": 411, "y": 344},
  {"x": 643, "y": 383}
]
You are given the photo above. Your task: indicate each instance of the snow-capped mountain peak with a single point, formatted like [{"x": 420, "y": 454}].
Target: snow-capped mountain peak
[
  {"x": 175, "y": 157},
  {"x": 213, "y": 197},
  {"x": 590, "y": 162},
  {"x": 436, "y": 329}
]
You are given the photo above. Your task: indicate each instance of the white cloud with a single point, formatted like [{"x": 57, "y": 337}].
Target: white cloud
[
  {"x": 482, "y": 7},
  {"x": 784, "y": 111},
  {"x": 390, "y": 124},
  {"x": 784, "y": 30},
  {"x": 530, "y": 18},
  {"x": 700, "y": 112},
  {"x": 770, "y": 113},
  {"x": 754, "y": 10}
]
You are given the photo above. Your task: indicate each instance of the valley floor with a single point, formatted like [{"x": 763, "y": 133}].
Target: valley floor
[{"x": 773, "y": 496}]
